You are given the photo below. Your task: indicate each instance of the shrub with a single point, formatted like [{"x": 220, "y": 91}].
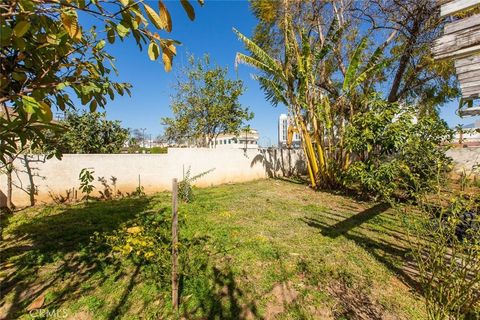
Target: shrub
[
  {"x": 446, "y": 249},
  {"x": 397, "y": 152},
  {"x": 185, "y": 191},
  {"x": 145, "y": 240},
  {"x": 158, "y": 150},
  {"x": 86, "y": 179}
]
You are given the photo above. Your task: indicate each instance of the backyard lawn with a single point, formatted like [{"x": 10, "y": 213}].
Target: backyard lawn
[{"x": 266, "y": 249}]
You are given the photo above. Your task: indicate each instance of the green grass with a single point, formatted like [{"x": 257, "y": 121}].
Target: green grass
[{"x": 269, "y": 249}]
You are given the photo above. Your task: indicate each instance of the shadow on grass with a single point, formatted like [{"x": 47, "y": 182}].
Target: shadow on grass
[
  {"x": 116, "y": 312},
  {"x": 49, "y": 249},
  {"x": 344, "y": 226},
  {"x": 53, "y": 252},
  {"x": 223, "y": 299},
  {"x": 353, "y": 228}
]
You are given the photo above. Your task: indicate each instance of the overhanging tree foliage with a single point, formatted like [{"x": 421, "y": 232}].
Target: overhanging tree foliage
[
  {"x": 206, "y": 105},
  {"x": 48, "y": 57}
]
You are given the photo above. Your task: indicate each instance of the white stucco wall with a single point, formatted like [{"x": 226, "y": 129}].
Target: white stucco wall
[
  {"x": 465, "y": 158},
  {"x": 155, "y": 171}
]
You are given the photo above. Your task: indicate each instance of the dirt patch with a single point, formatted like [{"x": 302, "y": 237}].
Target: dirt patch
[
  {"x": 281, "y": 295},
  {"x": 320, "y": 313},
  {"x": 355, "y": 304},
  {"x": 82, "y": 315}
]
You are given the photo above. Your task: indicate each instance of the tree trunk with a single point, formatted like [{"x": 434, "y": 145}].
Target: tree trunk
[{"x": 402, "y": 66}]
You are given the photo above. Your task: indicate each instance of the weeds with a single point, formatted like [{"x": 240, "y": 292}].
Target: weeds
[
  {"x": 185, "y": 191},
  {"x": 86, "y": 179}
]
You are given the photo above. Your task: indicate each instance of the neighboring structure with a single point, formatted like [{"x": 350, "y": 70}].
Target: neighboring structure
[
  {"x": 469, "y": 135},
  {"x": 246, "y": 139},
  {"x": 461, "y": 42},
  {"x": 284, "y": 122}
]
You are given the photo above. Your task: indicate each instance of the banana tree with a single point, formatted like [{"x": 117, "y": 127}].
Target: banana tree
[{"x": 320, "y": 106}]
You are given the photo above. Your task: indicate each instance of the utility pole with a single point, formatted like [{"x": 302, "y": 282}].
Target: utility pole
[{"x": 143, "y": 136}]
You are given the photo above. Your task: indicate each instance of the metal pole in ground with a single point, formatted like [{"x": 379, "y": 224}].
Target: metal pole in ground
[{"x": 175, "y": 244}]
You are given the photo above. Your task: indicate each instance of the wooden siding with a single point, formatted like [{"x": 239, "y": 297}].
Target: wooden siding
[
  {"x": 461, "y": 38},
  {"x": 461, "y": 42},
  {"x": 454, "y": 6}
]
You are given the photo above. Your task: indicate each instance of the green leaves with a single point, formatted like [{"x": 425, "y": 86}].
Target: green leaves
[
  {"x": 393, "y": 141},
  {"x": 40, "y": 109},
  {"x": 30, "y": 105},
  {"x": 259, "y": 59},
  {"x": 122, "y": 30},
  {"x": 354, "y": 64},
  {"x": 86, "y": 178},
  {"x": 45, "y": 51},
  {"x": 21, "y": 28},
  {"x": 5, "y": 35},
  {"x": 93, "y": 105},
  {"x": 206, "y": 104},
  {"x": 89, "y": 132},
  {"x": 111, "y": 35}
]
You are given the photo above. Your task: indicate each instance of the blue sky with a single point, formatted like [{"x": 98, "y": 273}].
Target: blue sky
[{"x": 211, "y": 32}]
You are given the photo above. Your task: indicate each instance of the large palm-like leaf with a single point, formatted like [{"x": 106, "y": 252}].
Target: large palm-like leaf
[
  {"x": 263, "y": 61},
  {"x": 274, "y": 91},
  {"x": 275, "y": 80},
  {"x": 354, "y": 65},
  {"x": 375, "y": 64},
  {"x": 333, "y": 35}
]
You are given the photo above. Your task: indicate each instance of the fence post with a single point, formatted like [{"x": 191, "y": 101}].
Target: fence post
[{"x": 175, "y": 244}]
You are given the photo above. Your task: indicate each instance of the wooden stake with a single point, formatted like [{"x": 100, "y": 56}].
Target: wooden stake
[{"x": 175, "y": 244}]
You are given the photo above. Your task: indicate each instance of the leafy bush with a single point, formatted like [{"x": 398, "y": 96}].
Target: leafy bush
[
  {"x": 397, "y": 152},
  {"x": 139, "y": 192},
  {"x": 446, "y": 249},
  {"x": 86, "y": 132},
  {"x": 158, "y": 150},
  {"x": 109, "y": 191},
  {"x": 185, "y": 191},
  {"x": 86, "y": 179},
  {"x": 146, "y": 241}
]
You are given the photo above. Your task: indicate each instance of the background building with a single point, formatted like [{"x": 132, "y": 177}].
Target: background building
[
  {"x": 246, "y": 139},
  {"x": 469, "y": 136},
  {"x": 283, "y": 122}
]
